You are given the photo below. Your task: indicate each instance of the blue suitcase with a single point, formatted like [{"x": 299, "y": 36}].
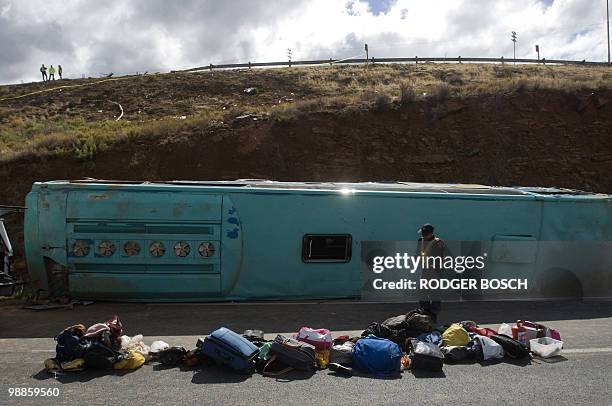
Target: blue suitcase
[{"x": 231, "y": 349}]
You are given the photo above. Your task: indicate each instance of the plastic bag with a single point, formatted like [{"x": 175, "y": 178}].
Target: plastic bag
[
  {"x": 135, "y": 343},
  {"x": 546, "y": 347},
  {"x": 490, "y": 349},
  {"x": 322, "y": 357},
  {"x": 505, "y": 329},
  {"x": 158, "y": 346}
]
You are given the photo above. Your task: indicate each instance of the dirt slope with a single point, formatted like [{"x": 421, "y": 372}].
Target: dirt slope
[{"x": 494, "y": 125}]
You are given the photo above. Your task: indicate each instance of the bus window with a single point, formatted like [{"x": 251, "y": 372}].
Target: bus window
[{"x": 326, "y": 248}]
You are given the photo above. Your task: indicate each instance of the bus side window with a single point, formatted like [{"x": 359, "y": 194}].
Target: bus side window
[{"x": 326, "y": 248}]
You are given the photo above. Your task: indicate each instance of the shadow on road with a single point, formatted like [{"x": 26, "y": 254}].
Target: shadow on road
[{"x": 201, "y": 319}]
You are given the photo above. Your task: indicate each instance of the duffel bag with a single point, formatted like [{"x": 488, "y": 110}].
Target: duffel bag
[
  {"x": 396, "y": 322},
  {"x": 321, "y": 338},
  {"x": 418, "y": 319},
  {"x": 512, "y": 347},
  {"x": 426, "y": 357},
  {"x": 292, "y": 354},
  {"x": 231, "y": 349},
  {"x": 377, "y": 356}
]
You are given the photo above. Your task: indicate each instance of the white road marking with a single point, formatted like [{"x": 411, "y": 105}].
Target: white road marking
[{"x": 586, "y": 350}]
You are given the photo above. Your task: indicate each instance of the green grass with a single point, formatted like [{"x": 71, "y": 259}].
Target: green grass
[
  {"x": 83, "y": 140},
  {"x": 49, "y": 128}
]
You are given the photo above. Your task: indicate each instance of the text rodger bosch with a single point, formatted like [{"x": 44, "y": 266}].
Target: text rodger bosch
[{"x": 459, "y": 264}]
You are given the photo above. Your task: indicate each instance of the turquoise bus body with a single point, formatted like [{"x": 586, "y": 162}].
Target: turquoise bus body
[{"x": 244, "y": 240}]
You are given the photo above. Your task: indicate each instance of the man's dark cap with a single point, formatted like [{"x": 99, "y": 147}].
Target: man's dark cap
[{"x": 426, "y": 229}]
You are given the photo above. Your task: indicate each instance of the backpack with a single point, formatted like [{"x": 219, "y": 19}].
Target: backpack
[
  {"x": 379, "y": 356},
  {"x": 69, "y": 345},
  {"x": 100, "y": 356},
  {"x": 512, "y": 348},
  {"x": 172, "y": 356},
  {"x": 292, "y": 354},
  {"x": 426, "y": 356}
]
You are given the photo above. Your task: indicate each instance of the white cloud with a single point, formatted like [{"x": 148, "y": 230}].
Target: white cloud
[{"x": 128, "y": 36}]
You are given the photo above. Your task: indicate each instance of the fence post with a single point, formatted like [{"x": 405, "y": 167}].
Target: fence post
[
  {"x": 210, "y": 67},
  {"x": 416, "y": 60}
]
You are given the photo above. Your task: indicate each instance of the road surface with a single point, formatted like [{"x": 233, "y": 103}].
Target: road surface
[{"x": 582, "y": 375}]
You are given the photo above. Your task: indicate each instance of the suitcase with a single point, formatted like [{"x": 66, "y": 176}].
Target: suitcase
[
  {"x": 426, "y": 357},
  {"x": 231, "y": 349}
]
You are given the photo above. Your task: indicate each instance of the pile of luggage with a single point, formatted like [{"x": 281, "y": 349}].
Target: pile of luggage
[{"x": 403, "y": 342}]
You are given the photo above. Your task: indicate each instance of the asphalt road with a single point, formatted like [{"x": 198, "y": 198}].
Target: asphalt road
[{"x": 582, "y": 375}]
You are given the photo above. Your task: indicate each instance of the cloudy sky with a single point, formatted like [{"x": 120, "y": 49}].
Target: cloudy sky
[{"x": 126, "y": 36}]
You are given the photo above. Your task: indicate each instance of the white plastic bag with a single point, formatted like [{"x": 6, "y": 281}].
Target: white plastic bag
[
  {"x": 546, "y": 347},
  {"x": 135, "y": 343},
  {"x": 158, "y": 346},
  {"x": 505, "y": 329},
  {"x": 490, "y": 349}
]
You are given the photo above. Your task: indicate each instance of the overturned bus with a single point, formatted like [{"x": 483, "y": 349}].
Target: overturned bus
[{"x": 257, "y": 240}]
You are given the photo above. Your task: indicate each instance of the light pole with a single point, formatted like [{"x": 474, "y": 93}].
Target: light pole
[
  {"x": 514, "y": 41},
  {"x": 608, "y": 26}
]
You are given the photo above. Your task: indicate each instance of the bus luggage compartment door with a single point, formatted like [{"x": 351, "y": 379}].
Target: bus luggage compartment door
[{"x": 143, "y": 245}]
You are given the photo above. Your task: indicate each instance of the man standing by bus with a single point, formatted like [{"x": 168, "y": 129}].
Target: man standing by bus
[{"x": 430, "y": 246}]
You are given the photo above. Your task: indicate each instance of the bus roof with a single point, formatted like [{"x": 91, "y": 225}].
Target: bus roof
[{"x": 394, "y": 187}]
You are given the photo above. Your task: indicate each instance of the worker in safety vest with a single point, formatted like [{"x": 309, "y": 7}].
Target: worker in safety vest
[
  {"x": 43, "y": 71},
  {"x": 51, "y": 72},
  {"x": 430, "y": 246}
]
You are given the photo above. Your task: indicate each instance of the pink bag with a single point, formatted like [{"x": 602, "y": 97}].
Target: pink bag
[{"x": 321, "y": 339}]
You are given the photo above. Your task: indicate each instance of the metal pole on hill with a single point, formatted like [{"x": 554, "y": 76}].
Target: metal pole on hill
[
  {"x": 608, "y": 26},
  {"x": 514, "y": 41}
]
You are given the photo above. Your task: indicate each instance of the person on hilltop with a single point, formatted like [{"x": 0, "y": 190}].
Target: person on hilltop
[
  {"x": 59, "y": 71},
  {"x": 51, "y": 72},
  {"x": 43, "y": 71}
]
